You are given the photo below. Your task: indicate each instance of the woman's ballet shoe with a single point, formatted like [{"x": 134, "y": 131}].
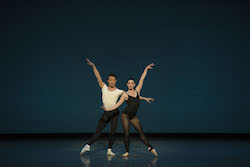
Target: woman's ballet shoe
[
  {"x": 153, "y": 151},
  {"x": 126, "y": 154}
]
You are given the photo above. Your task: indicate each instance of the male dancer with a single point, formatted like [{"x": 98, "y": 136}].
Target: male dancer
[{"x": 110, "y": 95}]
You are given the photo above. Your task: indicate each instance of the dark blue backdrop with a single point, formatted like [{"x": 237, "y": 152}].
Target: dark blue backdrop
[{"x": 201, "y": 51}]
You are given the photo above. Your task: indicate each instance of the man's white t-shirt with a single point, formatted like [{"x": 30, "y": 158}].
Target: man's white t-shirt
[{"x": 109, "y": 98}]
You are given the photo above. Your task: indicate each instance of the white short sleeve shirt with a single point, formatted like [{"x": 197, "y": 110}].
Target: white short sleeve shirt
[{"x": 109, "y": 98}]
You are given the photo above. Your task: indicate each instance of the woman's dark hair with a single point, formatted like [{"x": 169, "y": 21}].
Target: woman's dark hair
[
  {"x": 131, "y": 78},
  {"x": 113, "y": 75}
]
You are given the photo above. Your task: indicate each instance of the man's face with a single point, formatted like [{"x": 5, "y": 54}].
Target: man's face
[{"x": 112, "y": 81}]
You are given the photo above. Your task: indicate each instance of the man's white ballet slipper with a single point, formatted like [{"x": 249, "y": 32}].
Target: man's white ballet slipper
[
  {"x": 109, "y": 152},
  {"x": 85, "y": 149}
]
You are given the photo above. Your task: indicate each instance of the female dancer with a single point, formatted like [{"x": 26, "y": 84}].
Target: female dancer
[{"x": 132, "y": 97}]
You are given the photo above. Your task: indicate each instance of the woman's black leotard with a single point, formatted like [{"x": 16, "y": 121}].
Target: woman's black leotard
[{"x": 133, "y": 105}]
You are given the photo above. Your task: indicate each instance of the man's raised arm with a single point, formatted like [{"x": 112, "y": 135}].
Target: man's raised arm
[{"x": 96, "y": 72}]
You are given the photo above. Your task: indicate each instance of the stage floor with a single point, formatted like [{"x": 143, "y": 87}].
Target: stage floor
[{"x": 173, "y": 152}]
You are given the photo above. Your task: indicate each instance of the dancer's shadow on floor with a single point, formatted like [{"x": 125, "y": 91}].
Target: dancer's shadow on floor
[{"x": 119, "y": 161}]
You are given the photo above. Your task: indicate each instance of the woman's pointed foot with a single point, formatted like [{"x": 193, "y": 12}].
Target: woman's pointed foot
[
  {"x": 153, "y": 151},
  {"x": 126, "y": 154}
]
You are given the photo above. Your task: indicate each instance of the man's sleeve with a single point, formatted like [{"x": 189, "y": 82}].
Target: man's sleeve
[
  {"x": 104, "y": 87},
  {"x": 121, "y": 91}
]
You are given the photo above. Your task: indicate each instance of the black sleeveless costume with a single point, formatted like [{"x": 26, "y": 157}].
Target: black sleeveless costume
[{"x": 133, "y": 104}]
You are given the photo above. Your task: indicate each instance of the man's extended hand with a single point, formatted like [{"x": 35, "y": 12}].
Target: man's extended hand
[{"x": 90, "y": 63}]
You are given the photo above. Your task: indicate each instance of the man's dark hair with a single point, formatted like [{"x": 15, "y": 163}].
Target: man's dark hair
[{"x": 113, "y": 75}]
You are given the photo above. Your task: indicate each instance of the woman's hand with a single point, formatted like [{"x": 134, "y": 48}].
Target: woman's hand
[
  {"x": 148, "y": 99},
  {"x": 90, "y": 63},
  {"x": 150, "y": 66}
]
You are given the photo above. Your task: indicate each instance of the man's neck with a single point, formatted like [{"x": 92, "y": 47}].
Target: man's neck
[{"x": 112, "y": 87}]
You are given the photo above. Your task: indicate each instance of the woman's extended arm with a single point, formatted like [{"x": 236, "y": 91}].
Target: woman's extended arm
[
  {"x": 139, "y": 86},
  {"x": 147, "y": 99}
]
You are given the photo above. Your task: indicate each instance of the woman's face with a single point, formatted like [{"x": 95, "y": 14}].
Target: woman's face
[{"x": 131, "y": 84}]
